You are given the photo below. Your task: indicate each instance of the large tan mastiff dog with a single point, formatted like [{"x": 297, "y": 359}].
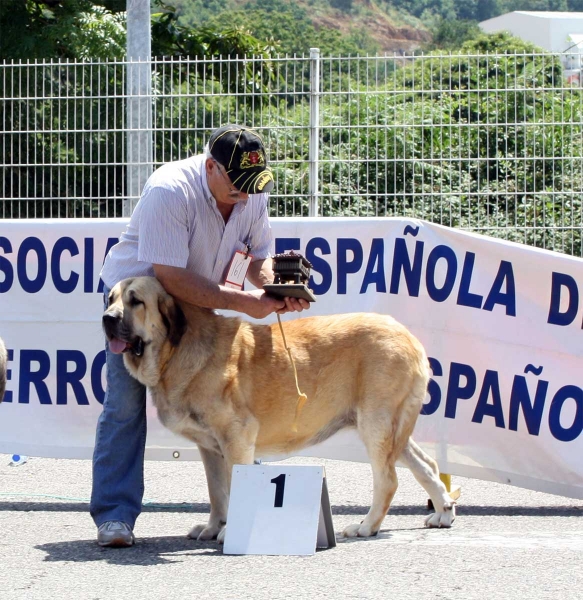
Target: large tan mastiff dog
[{"x": 229, "y": 386}]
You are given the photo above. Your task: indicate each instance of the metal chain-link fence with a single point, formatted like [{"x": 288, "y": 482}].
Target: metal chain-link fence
[{"x": 489, "y": 143}]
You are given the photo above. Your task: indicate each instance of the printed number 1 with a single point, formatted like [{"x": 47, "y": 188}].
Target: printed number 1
[{"x": 279, "y": 488}]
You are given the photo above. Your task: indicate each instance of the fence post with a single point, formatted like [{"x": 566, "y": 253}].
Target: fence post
[
  {"x": 314, "y": 148},
  {"x": 139, "y": 101}
]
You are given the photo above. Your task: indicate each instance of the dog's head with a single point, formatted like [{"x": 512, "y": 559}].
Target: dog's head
[{"x": 139, "y": 319}]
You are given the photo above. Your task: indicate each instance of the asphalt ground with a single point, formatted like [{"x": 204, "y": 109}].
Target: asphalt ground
[{"x": 506, "y": 542}]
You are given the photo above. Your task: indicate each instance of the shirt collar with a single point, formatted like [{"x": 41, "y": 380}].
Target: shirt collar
[{"x": 205, "y": 186}]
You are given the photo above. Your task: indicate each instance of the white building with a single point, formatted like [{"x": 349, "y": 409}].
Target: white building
[{"x": 559, "y": 32}]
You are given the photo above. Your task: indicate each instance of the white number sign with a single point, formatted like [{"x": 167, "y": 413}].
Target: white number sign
[{"x": 278, "y": 510}]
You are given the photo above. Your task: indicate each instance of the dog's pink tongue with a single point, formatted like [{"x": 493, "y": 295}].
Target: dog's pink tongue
[{"x": 117, "y": 346}]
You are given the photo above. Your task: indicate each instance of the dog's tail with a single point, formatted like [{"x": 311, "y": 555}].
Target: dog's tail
[{"x": 3, "y": 360}]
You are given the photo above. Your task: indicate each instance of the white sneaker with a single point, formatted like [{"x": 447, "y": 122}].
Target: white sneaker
[{"x": 115, "y": 534}]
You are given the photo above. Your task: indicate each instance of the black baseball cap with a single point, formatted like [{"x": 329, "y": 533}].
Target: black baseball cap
[{"x": 241, "y": 152}]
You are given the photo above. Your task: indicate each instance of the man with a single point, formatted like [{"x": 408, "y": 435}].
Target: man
[{"x": 193, "y": 217}]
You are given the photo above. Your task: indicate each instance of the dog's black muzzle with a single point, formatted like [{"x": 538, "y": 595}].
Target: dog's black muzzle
[
  {"x": 114, "y": 329},
  {"x": 110, "y": 325}
]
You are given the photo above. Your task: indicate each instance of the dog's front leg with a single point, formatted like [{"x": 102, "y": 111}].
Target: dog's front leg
[
  {"x": 218, "y": 485},
  {"x": 238, "y": 449}
]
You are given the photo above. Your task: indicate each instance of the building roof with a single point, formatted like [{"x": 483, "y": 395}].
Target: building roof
[
  {"x": 537, "y": 14},
  {"x": 549, "y": 14}
]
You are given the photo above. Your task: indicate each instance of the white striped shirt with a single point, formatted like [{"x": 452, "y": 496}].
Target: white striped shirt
[{"x": 176, "y": 223}]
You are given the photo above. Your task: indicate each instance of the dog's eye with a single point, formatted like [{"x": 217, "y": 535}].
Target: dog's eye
[{"x": 135, "y": 301}]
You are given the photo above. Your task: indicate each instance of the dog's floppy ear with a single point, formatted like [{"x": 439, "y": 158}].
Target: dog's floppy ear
[{"x": 173, "y": 318}]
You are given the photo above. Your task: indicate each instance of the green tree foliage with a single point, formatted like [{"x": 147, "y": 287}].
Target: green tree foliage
[
  {"x": 230, "y": 39},
  {"x": 428, "y": 10},
  {"x": 450, "y": 34},
  {"x": 289, "y": 35},
  {"x": 488, "y": 137},
  {"x": 468, "y": 141},
  {"x": 37, "y": 29},
  {"x": 287, "y": 27},
  {"x": 296, "y": 24},
  {"x": 43, "y": 33},
  {"x": 344, "y": 5},
  {"x": 480, "y": 10},
  {"x": 79, "y": 29},
  {"x": 79, "y": 128},
  {"x": 196, "y": 12},
  {"x": 285, "y": 24},
  {"x": 169, "y": 39}
]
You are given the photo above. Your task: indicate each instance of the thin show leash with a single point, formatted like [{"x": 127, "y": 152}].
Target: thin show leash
[{"x": 302, "y": 398}]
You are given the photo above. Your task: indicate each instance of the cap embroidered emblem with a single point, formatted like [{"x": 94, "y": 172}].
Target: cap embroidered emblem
[
  {"x": 252, "y": 159},
  {"x": 264, "y": 178}
]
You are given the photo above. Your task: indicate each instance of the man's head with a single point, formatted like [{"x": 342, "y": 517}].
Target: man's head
[{"x": 241, "y": 154}]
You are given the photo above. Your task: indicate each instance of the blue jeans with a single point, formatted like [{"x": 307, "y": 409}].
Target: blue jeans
[{"x": 120, "y": 443}]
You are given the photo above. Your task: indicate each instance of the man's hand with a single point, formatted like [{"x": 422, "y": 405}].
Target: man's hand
[
  {"x": 261, "y": 305},
  {"x": 260, "y": 273},
  {"x": 293, "y": 305}
]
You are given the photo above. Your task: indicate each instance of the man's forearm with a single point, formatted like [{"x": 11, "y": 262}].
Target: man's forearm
[
  {"x": 198, "y": 290},
  {"x": 261, "y": 272}
]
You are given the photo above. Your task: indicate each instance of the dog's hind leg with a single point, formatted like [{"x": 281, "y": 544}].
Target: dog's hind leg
[
  {"x": 376, "y": 433},
  {"x": 426, "y": 472},
  {"x": 218, "y": 486}
]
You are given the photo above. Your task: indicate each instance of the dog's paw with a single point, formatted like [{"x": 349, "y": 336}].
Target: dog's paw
[
  {"x": 442, "y": 519},
  {"x": 203, "y": 533},
  {"x": 358, "y": 530}
]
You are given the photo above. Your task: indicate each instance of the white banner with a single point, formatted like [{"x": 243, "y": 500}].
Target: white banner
[{"x": 500, "y": 322}]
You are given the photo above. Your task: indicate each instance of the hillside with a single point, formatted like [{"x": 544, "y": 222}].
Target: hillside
[
  {"x": 391, "y": 29},
  {"x": 396, "y": 32},
  {"x": 369, "y": 25}
]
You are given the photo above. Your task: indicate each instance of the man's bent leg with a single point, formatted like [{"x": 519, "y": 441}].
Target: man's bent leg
[{"x": 120, "y": 441}]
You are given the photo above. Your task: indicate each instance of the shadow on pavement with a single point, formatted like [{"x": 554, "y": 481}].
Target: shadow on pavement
[
  {"x": 146, "y": 551},
  {"x": 343, "y": 509},
  {"x": 20, "y": 506},
  {"x": 473, "y": 510}
]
